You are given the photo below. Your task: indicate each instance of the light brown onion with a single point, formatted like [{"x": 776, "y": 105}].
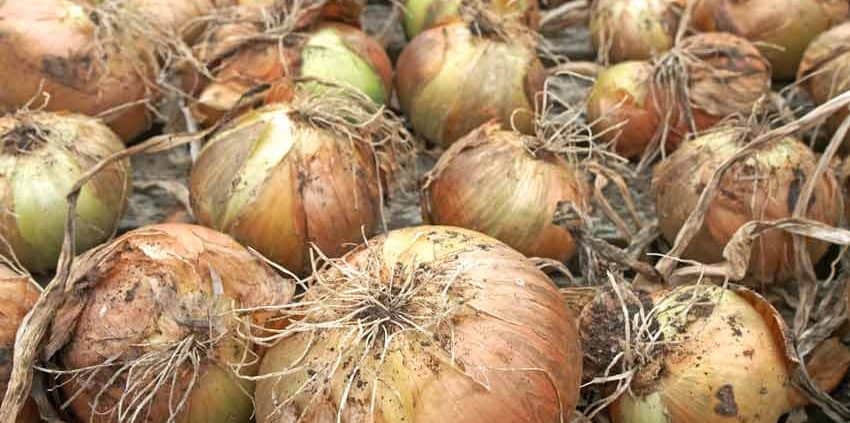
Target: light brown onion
[
  {"x": 764, "y": 186},
  {"x": 421, "y": 15},
  {"x": 18, "y": 294},
  {"x": 783, "y": 28},
  {"x": 634, "y": 29},
  {"x": 156, "y": 312},
  {"x": 488, "y": 181},
  {"x": 425, "y": 324}
]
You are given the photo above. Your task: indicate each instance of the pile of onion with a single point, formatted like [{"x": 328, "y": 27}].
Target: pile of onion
[
  {"x": 763, "y": 186},
  {"x": 825, "y": 70},
  {"x": 451, "y": 80},
  {"x": 783, "y": 28},
  {"x": 41, "y": 157},
  {"x": 58, "y": 56},
  {"x": 491, "y": 182},
  {"x": 421, "y": 15},
  {"x": 157, "y": 327},
  {"x": 18, "y": 294},
  {"x": 707, "y": 77},
  {"x": 425, "y": 324},
  {"x": 634, "y": 30}
]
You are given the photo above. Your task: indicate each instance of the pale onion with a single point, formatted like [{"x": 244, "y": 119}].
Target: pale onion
[
  {"x": 41, "y": 157},
  {"x": 169, "y": 293},
  {"x": 488, "y": 181},
  {"x": 429, "y": 324},
  {"x": 634, "y": 30},
  {"x": 55, "y": 48},
  {"x": 450, "y": 81},
  {"x": 763, "y": 186},
  {"x": 783, "y": 28},
  {"x": 420, "y": 15},
  {"x": 18, "y": 295}
]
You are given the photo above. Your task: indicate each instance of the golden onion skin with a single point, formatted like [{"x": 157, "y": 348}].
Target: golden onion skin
[
  {"x": 783, "y": 27},
  {"x": 724, "y": 360},
  {"x": 154, "y": 287},
  {"x": 50, "y": 47},
  {"x": 278, "y": 184},
  {"x": 825, "y": 71},
  {"x": 487, "y": 181},
  {"x": 421, "y": 15},
  {"x": 634, "y": 29},
  {"x": 510, "y": 328},
  {"x": 450, "y": 81},
  {"x": 18, "y": 295},
  {"x": 41, "y": 157},
  {"x": 764, "y": 186}
]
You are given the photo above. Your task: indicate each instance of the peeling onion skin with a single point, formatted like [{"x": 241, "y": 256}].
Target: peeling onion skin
[
  {"x": 825, "y": 71},
  {"x": 678, "y": 182},
  {"x": 421, "y": 15},
  {"x": 18, "y": 295},
  {"x": 450, "y": 81},
  {"x": 53, "y": 42},
  {"x": 148, "y": 289},
  {"x": 488, "y": 182},
  {"x": 277, "y": 184},
  {"x": 634, "y": 29},
  {"x": 724, "y": 362},
  {"x": 36, "y": 175},
  {"x": 511, "y": 319},
  {"x": 789, "y": 24}
]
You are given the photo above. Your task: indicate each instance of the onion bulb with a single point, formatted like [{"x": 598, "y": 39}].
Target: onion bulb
[
  {"x": 783, "y": 28},
  {"x": 425, "y": 324},
  {"x": 763, "y": 186},
  {"x": 720, "y": 75},
  {"x": 488, "y": 181},
  {"x": 157, "y": 327},
  {"x": 18, "y": 295},
  {"x": 55, "y": 48},
  {"x": 41, "y": 157},
  {"x": 420, "y": 15},
  {"x": 451, "y": 81},
  {"x": 825, "y": 70},
  {"x": 634, "y": 30}
]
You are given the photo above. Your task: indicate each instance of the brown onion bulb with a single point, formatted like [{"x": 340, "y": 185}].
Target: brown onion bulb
[
  {"x": 782, "y": 27},
  {"x": 825, "y": 70},
  {"x": 451, "y": 81},
  {"x": 421, "y": 15},
  {"x": 277, "y": 182},
  {"x": 426, "y": 324},
  {"x": 18, "y": 294},
  {"x": 158, "y": 313},
  {"x": 489, "y": 182},
  {"x": 53, "y": 47},
  {"x": 763, "y": 186},
  {"x": 634, "y": 30}
]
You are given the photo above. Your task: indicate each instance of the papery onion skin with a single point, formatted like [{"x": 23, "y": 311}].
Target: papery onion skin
[
  {"x": 488, "y": 181},
  {"x": 450, "y": 81},
  {"x": 277, "y": 184},
  {"x": 764, "y": 186},
  {"x": 18, "y": 295},
  {"x": 156, "y": 286},
  {"x": 37, "y": 173},
  {"x": 50, "y": 47},
  {"x": 421, "y": 15},
  {"x": 787, "y": 25},
  {"x": 634, "y": 30},
  {"x": 510, "y": 328},
  {"x": 724, "y": 360}
]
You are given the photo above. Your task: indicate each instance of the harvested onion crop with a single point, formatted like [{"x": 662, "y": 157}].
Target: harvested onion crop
[
  {"x": 634, "y": 30},
  {"x": 825, "y": 70}
]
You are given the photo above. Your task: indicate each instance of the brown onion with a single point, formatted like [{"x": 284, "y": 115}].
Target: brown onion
[
  {"x": 488, "y": 181},
  {"x": 425, "y": 324},
  {"x": 634, "y": 30},
  {"x": 450, "y": 81},
  {"x": 421, "y": 15},
  {"x": 18, "y": 294},
  {"x": 154, "y": 331},
  {"x": 763, "y": 186},
  {"x": 825, "y": 70},
  {"x": 782, "y": 27}
]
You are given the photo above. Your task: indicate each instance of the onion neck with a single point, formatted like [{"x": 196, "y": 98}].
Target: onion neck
[{"x": 24, "y": 138}]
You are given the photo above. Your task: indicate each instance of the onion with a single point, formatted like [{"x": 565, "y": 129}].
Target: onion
[
  {"x": 825, "y": 70},
  {"x": 154, "y": 331},
  {"x": 764, "y": 186},
  {"x": 18, "y": 294},
  {"x": 720, "y": 75},
  {"x": 54, "y": 47},
  {"x": 421, "y": 15},
  {"x": 783, "y": 28},
  {"x": 425, "y": 324},
  {"x": 451, "y": 81},
  {"x": 41, "y": 157},
  {"x": 488, "y": 181},
  {"x": 634, "y": 30}
]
